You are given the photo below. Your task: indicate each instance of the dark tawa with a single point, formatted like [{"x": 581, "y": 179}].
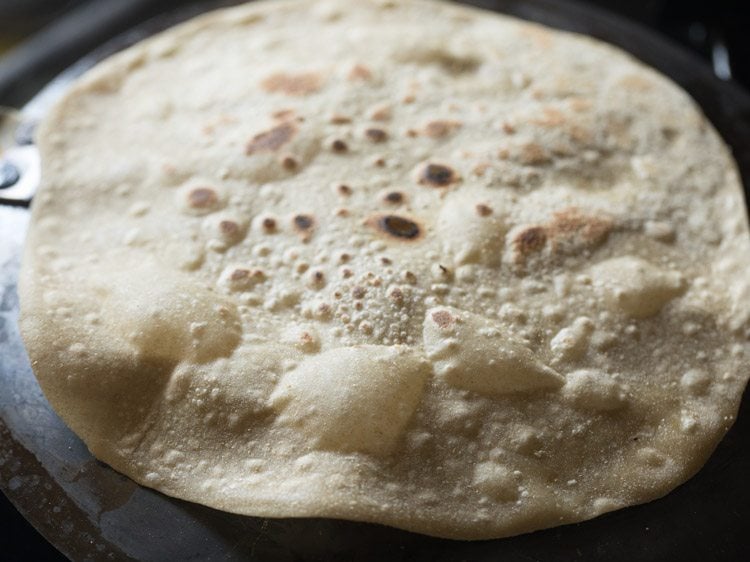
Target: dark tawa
[{"x": 90, "y": 512}]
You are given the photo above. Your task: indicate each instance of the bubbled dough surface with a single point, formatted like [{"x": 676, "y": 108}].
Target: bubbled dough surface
[{"x": 551, "y": 326}]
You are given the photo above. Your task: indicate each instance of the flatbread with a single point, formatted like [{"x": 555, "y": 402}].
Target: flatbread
[{"x": 401, "y": 262}]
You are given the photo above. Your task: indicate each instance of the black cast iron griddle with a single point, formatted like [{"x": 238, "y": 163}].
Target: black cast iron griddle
[{"x": 90, "y": 512}]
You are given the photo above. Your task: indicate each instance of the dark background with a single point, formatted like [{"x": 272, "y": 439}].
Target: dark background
[{"x": 715, "y": 29}]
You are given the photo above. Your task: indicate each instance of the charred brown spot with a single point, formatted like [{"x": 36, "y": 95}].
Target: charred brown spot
[
  {"x": 303, "y": 222},
  {"x": 339, "y": 146},
  {"x": 300, "y": 84},
  {"x": 376, "y": 135},
  {"x": 437, "y": 175},
  {"x": 530, "y": 240},
  {"x": 443, "y": 319},
  {"x": 289, "y": 163},
  {"x": 344, "y": 190},
  {"x": 394, "y": 197},
  {"x": 203, "y": 198},
  {"x": 439, "y": 129},
  {"x": 398, "y": 227},
  {"x": 483, "y": 210},
  {"x": 269, "y": 224},
  {"x": 271, "y": 140}
]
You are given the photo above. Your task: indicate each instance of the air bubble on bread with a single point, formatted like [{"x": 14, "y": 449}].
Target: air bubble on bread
[
  {"x": 352, "y": 398},
  {"x": 476, "y": 354}
]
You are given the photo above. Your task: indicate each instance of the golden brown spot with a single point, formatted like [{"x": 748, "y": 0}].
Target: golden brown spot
[
  {"x": 539, "y": 37},
  {"x": 436, "y": 175},
  {"x": 636, "y": 83},
  {"x": 239, "y": 275},
  {"x": 481, "y": 168},
  {"x": 341, "y": 212},
  {"x": 508, "y": 129},
  {"x": 443, "y": 319},
  {"x": 410, "y": 278},
  {"x": 380, "y": 113},
  {"x": 306, "y": 339},
  {"x": 549, "y": 117},
  {"x": 530, "y": 241},
  {"x": 396, "y": 226},
  {"x": 579, "y": 105},
  {"x": 339, "y": 119},
  {"x": 229, "y": 228},
  {"x": 533, "y": 154},
  {"x": 396, "y": 294},
  {"x": 394, "y": 197},
  {"x": 412, "y": 133},
  {"x": 339, "y": 146},
  {"x": 580, "y": 134},
  {"x": 483, "y": 210},
  {"x": 359, "y": 292},
  {"x": 409, "y": 98},
  {"x": 283, "y": 114},
  {"x": 439, "y": 129},
  {"x": 379, "y": 162},
  {"x": 573, "y": 228},
  {"x": 203, "y": 198},
  {"x": 344, "y": 190},
  {"x": 359, "y": 72},
  {"x": 246, "y": 276},
  {"x": 301, "y": 84},
  {"x": 271, "y": 140},
  {"x": 376, "y": 135}
]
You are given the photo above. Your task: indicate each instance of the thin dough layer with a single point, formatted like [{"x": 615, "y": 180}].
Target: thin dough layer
[{"x": 401, "y": 262}]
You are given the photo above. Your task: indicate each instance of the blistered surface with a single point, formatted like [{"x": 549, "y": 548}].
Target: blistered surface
[{"x": 435, "y": 284}]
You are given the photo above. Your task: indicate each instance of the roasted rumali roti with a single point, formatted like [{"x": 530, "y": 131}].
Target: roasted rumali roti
[{"x": 401, "y": 262}]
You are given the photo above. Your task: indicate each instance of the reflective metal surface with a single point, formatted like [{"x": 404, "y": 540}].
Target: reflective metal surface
[{"x": 90, "y": 512}]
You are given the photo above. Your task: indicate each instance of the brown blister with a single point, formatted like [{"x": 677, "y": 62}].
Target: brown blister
[
  {"x": 271, "y": 140},
  {"x": 443, "y": 319},
  {"x": 572, "y": 229},
  {"x": 203, "y": 198},
  {"x": 529, "y": 241},
  {"x": 396, "y": 227},
  {"x": 436, "y": 175}
]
